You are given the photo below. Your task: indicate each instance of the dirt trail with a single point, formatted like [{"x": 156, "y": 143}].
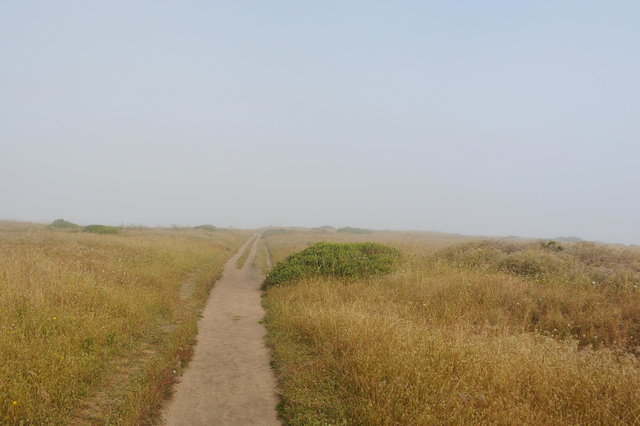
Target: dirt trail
[{"x": 229, "y": 380}]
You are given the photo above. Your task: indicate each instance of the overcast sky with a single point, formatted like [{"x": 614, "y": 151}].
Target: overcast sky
[{"x": 493, "y": 117}]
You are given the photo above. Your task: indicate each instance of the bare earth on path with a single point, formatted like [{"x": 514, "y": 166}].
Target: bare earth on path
[{"x": 229, "y": 380}]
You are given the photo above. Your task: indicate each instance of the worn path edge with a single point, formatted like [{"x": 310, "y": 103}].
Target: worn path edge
[{"x": 229, "y": 380}]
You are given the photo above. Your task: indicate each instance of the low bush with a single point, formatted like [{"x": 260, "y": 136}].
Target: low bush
[
  {"x": 599, "y": 255},
  {"x": 475, "y": 254},
  {"x": 101, "y": 229},
  {"x": 352, "y": 260},
  {"x": 585, "y": 291},
  {"x": 550, "y": 245},
  {"x": 206, "y": 227},
  {"x": 324, "y": 229},
  {"x": 580, "y": 263},
  {"x": 63, "y": 224},
  {"x": 274, "y": 231},
  {"x": 531, "y": 263}
]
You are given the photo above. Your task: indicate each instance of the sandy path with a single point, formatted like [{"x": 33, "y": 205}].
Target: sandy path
[{"x": 229, "y": 380}]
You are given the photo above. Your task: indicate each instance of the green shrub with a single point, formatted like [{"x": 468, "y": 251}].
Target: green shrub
[
  {"x": 274, "y": 231},
  {"x": 350, "y": 230},
  {"x": 550, "y": 245},
  {"x": 101, "y": 229},
  {"x": 352, "y": 260},
  {"x": 324, "y": 229},
  {"x": 63, "y": 224},
  {"x": 206, "y": 227}
]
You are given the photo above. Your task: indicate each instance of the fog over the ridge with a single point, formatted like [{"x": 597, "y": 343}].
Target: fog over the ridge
[{"x": 499, "y": 118}]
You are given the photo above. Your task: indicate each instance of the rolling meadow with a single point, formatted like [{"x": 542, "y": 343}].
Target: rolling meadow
[
  {"x": 97, "y": 322},
  {"x": 366, "y": 327},
  {"x": 461, "y": 331}
]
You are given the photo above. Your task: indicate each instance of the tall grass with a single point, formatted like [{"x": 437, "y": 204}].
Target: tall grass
[
  {"x": 92, "y": 326},
  {"x": 245, "y": 254},
  {"x": 262, "y": 260},
  {"x": 442, "y": 341}
]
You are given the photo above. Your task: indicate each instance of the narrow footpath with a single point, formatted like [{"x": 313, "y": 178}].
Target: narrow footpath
[{"x": 229, "y": 380}]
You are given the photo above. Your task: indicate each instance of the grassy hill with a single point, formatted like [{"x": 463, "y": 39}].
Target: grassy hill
[{"x": 463, "y": 332}]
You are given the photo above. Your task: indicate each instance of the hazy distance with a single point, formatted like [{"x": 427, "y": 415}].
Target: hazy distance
[{"x": 493, "y": 118}]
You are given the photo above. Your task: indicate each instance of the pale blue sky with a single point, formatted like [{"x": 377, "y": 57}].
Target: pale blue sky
[{"x": 493, "y": 117}]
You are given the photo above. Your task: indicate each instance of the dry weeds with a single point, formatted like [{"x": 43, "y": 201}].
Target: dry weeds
[
  {"x": 443, "y": 343},
  {"x": 92, "y": 326}
]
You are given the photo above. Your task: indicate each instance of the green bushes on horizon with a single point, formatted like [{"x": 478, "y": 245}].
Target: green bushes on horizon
[
  {"x": 206, "y": 227},
  {"x": 94, "y": 229},
  {"x": 274, "y": 231},
  {"x": 101, "y": 229},
  {"x": 63, "y": 224}
]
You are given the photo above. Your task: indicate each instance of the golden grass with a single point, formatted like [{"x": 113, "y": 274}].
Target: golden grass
[
  {"x": 262, "y": 260},
  {"x": 245, "y": 254},
  {"x": 440, "y": 343},
  {"x": 92, "y": 327}
]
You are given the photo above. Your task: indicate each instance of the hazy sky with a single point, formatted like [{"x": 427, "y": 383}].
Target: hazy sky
[{"x": 478, "y": 117}]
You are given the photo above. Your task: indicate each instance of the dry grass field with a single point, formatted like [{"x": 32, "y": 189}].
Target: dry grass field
[
  {"x": 93, "y": 327},
  {"x": 463, "y": 332}
]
